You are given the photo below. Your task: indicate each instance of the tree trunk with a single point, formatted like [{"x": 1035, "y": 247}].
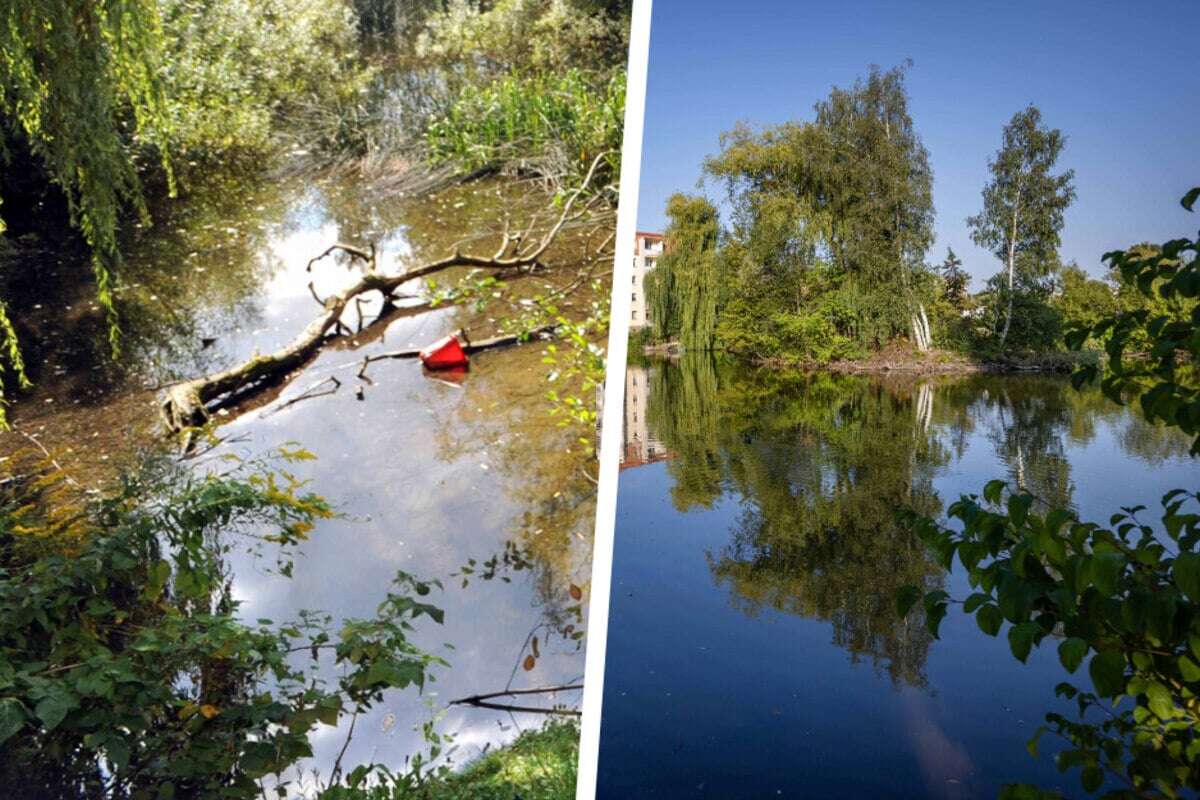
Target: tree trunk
[
  {"x": 920, "y": 326},
  {"x": 1012, "y": 265}
]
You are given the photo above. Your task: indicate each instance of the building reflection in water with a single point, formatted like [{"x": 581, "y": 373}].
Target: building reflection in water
[{"x": 640, "y": 445}]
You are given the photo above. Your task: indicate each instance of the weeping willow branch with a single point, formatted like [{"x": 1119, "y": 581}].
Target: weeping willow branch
[{"x": 188, "y": 404}]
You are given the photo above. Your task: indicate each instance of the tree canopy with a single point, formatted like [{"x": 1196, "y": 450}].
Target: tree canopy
[
  {"x": 1024, "y": 203},
  {"x": 1124, "y": 599},
  {"x": 831, "y": 220}
]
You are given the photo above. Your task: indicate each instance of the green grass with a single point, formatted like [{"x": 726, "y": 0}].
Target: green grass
[
  {"x": 539, "y": 765},
  {"x": 553, "y": 124}
]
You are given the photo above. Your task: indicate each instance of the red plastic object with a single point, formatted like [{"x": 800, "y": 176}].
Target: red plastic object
[{"x": 444, "y": 354}]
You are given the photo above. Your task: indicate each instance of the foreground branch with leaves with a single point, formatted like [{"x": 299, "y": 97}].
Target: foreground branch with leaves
[
  {"x": 1127, "y": 595},
  {"x": 126, "y": 669}
]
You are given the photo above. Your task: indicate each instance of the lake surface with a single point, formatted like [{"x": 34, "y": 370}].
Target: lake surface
[
  {"x": 753, "y": 647},
  {"x": 430, "y": 475}
]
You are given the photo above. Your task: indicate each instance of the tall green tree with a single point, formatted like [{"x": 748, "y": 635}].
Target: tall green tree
[
  {"x": 841, "y": 204},
  {"x": 73, "y": 75},
  {"x": 954, "y": 280},
  {"x": 685, "y": 286},
  {"x": 1024, "y": 202}
]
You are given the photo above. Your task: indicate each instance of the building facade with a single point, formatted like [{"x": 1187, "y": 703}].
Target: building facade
[{"x": 647, "y": 248}]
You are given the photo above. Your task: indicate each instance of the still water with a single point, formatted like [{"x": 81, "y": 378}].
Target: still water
[
  {"x": 753, "y": 646},
  {"x": 430, "y": 476}
]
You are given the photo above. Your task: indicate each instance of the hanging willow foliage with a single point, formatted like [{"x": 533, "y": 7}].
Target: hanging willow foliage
[
  {"x": 684, "y": 288},
  {"x": 76, "y": 78}
]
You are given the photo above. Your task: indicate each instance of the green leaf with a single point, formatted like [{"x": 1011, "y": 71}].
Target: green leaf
[
  {"x": 12, "y": 717},
  {"x": 1071, "y": 652},
  {"x": 1024, "y": 791},
  {"x": 973, "y": 602},
  {"x": 1159, "y": 699},
  {"x": 1186, "y": 572},
  {"x": 118, "y": 752},
  {"x": 1018, "y": 508},
  {"x": 328, "y": 710},
  {"x": 1092, "y": 778},
  {"x": 989, "y": 619},
  {"x": 54, "y": 707},
  {"x": 992, "y": 491},
  {"x": 1189, "y": 199},
  {"x": 1106, "y": 571},
  {"x": 1189, "y": 669},
  {"x": 1108, "y": 673},
  {"x": 1020, "y": 639},
  {"x": 905, "y": 599}
]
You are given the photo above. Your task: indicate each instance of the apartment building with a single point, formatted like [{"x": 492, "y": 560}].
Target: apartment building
[{"x": 647, "y": 248}]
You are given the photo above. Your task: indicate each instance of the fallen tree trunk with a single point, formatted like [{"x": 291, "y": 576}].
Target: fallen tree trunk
[{"x": 188, "y": 404}]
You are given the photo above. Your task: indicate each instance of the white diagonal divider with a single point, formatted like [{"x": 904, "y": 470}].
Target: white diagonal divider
[{"x": 614, "y": 390}]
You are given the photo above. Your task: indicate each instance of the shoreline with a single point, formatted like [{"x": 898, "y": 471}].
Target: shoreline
[{"x": 938, "y": 362}]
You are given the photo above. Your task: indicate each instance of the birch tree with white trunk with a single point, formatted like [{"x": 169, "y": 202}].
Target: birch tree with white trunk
[{"x": 1024, "y": 203}]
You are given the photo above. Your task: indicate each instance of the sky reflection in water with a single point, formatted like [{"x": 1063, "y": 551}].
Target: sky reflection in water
[
  {"x": 753, "y": 648},
  {"x": 429, "y": 474}
]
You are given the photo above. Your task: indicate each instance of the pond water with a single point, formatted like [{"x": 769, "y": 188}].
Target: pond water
[
  {"x": 753, "y": 648},
  {"x": 430, "y": 475}
]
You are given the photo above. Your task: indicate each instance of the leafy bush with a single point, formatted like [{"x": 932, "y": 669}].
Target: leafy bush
[
  {"x": 233, "y": 69},
  {"x": 812, "y": 337},
  {"x": 125, "y": 668},
  {"x": 530, "y": 36},
  {"x": 1035, "y": 327}
]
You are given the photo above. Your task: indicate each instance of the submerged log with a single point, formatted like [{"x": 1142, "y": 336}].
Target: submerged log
[{"x": 188, "y": 404}]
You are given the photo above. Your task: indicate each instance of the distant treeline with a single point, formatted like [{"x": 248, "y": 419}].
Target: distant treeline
[{"x": 824, "y": 255}]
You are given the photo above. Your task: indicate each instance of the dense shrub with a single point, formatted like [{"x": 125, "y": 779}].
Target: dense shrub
[
  {"x": 234, "y": 69},
  {"x": 530, "y": 36}
]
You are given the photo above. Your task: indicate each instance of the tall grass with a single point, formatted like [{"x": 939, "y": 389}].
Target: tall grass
[{"x": 550, "y": 124}]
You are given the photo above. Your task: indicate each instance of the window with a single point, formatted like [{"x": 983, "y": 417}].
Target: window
[{"x": 635, "y": 297}]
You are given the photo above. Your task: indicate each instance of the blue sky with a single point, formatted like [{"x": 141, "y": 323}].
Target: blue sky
[{"x": 1121, "y": 79}]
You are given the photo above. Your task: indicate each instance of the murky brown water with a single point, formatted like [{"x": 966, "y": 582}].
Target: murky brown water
[{"x": 429, "y": 474}]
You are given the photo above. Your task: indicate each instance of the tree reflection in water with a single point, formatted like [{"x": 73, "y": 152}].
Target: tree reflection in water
[{"x": 820, "y": 461}]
